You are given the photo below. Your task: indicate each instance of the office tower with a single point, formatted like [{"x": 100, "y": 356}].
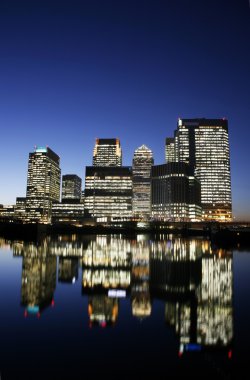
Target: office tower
[
  {"x": 141, "y": 172},
  {"x": 7, "y": 213},
  {"x": 108, "y": 192},
  {"x": 175, "y": 193},
  {"x": 43, "y": 184},
  {"x": 71, "y": 187},
  {"x": 169, "y": 150},
  {"x": 107, "y": 152},
  {"x": 20, "y": 208},
  {"x": 70, "y": 211},
  {"x": 203, "y": 143}
]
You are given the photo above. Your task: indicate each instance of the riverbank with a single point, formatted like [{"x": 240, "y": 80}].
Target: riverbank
[{"x": 222, "y": 234}]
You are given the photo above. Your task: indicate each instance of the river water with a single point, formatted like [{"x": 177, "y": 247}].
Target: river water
[{"x": 109, "y": 306}]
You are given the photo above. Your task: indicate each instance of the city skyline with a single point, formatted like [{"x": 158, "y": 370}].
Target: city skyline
[
  {"x": 71, "y": 74},
  {"x": 194, "y": 184}
]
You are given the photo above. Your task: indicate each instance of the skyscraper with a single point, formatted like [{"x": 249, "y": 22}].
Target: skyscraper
[
  {"x": 175, "y": 193},
  {"x": 169, "y": 150},
  {"x": 71, "y": 187},
  {"x": 108, "y": 192},
  {"x": 203, "y": 143},
  {"x": 141, "y": 174},
  {"x": 43, "y": 184},
  {"x": 107, "y": 152}
]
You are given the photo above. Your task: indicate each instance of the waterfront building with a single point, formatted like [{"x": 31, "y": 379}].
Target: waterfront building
[
  {"x": 175, "y": 193},
  {"x": 204, "y": 145},
  {"x": 20, "y": 209},
  {"x": 141, "y": 172},
  {"x": 7, "y": 213},
  {"x": 108, "y": 192},
  {"x": 71, "y": 211},
  {"x": 71, "y": 187},
  {"x": 107, "y": 152},
  {"x": 43, "y": 184}
]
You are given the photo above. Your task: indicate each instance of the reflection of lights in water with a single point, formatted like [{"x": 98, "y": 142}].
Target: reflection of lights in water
[
  {"x": 113, "y": 293},
  {"x": 141, "y": 238},
  {"x": 141, "y": 308}
]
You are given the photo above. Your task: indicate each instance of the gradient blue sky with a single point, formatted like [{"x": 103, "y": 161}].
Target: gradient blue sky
[{"x": 71, "y": 71}]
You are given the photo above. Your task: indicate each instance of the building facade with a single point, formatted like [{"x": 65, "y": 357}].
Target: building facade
[
  {"x": 71, "y": 187},
  {"x": 108, "y": 192},
  {"x": 69, "y": 212},
  {"x": 204, "y": 145},
  {"x": 43, "y": 184},
  {"x": 175, "y": 193},
  {"x": 169, "y": 150},
  {"x": 141, "y": 171},
  {"x": 107, "y": 152}
]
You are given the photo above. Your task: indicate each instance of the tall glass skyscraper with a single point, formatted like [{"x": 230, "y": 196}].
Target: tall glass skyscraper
[
  {"x": 204, "y": 145},
  {"x": 141, "y": 171},
  {"x": 43, "y": 184},
  {"x": 175, "y": 193},
  {"x": 107, "y": 152},
  {"x": 71, "y": 187}
]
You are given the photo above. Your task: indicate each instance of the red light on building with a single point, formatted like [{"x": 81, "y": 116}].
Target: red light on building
[
  {"x": 25, "y": 314},
  {"x": 52, "y": 303},
  {"x": 230, "y": 353}
]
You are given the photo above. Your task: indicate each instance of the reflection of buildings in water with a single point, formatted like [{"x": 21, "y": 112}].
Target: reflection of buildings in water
[
  {"x": 108, "y": 251},
  {"x": 205, "y": 317},
  {"x": 68, "y": 269},
  {"x": 195, "y": 282},
  {"x": 140, "y": 294},
  {"x": 178, "y": 315},
  {"x": 175, "y": 266},
  {"x": 106, "y": 278},
  {"x": 68, "y": 246},
  {"x": 38, "y": 282},
  {"x": 141, "y": 304},
  {"x": 102, "y": 310},
  {"x": 38, "y": 275},
  {"x": 27, "y": 249},
  {"x": 106, "y": 263},
  {"x": 176, "y": 249},
  {"x": 4, "y": 244},
  {"x": 215, "y": 309}
]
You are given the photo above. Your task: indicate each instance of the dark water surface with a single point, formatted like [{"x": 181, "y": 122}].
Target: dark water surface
[{"x": 114, "y": 307}]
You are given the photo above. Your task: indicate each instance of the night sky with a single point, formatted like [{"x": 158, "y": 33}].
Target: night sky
[{"x": 71, "y": 71}]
